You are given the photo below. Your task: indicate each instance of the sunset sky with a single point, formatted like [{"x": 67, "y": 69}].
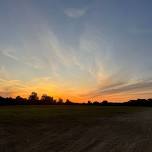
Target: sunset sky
[{"x": 77, "y": 49}]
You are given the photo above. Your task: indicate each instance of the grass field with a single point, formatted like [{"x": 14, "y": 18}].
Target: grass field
[{"x": 75, "y": 129}]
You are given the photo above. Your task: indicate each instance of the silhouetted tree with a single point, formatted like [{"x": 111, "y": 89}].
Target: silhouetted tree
[
  {"x": 47, "y": 99},
  {"x": 105, "y": 102},
  {"x": 96, "y": 103},
  {"x": 3, "y": 101},
  {"x": 54, "y": 101},
  {"x": 89, "y": 103},
  {"x": 60, "y": 101},
  {"x": 68, "y": 102},
  {"x": 20, "y": 100},
  {"x": 33, "y": 98}
]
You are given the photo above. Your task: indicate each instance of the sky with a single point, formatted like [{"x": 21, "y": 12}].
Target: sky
[{"x": 76, "y": 49}]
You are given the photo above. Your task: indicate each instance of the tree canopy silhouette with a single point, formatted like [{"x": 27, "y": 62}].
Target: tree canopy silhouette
[{"x": 33, "y": 99}]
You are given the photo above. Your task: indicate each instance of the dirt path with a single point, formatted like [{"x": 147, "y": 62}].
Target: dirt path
[{"x": 124, "y": 133}]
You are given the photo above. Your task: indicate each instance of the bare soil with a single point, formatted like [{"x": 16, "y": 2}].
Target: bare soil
[{"x": 124, "y": 132}]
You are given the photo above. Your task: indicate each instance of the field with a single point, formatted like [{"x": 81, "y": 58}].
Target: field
[{"x": 75, "y": 129}]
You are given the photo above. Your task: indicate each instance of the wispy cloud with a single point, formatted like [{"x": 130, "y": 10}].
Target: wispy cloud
[
  {"x": 3, "y": 72},
  {"x": 75, "y": 12},
  {"x": 10, "y": 54},
  {"x": 138, "y": 86},
  {"x": 123, "y": 90},
  {"x": 90, "y": 65},
  {"x": 32, "y": 61},
  {"x": 40, "y": 85}
]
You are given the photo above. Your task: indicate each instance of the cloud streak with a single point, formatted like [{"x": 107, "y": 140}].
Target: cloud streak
[
  {"x": 123, "y": 90},
  {"x": 75, "y": 12},
  {"x": 10, "y": 54}
]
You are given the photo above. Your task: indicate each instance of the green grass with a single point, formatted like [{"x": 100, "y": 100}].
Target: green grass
[{"x": 19, "y": 114}]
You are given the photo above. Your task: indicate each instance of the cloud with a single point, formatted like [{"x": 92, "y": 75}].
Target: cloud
[
  {"x": 139, "y": 86},
  {"x": 41, "y": 85},
  {"x": 31, "y": 61},
  {"x": 75, "y": 12},
  {"x": 123, "y": 89},
  {"x": 3, "y": 72},
  {"x": 10, "y": 54}
]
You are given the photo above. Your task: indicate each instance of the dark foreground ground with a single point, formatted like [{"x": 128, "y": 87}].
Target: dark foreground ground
[{"x": 75, "y": 129}]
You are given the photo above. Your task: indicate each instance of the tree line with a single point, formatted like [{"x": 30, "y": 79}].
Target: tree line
[{"x": 33, "y": 99}]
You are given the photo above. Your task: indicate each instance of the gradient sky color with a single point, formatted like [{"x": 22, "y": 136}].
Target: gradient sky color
[{"x": 77, "y": 49}]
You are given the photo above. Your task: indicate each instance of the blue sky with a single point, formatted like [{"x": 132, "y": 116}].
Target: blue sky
[{"x": 84, "y": 49}]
